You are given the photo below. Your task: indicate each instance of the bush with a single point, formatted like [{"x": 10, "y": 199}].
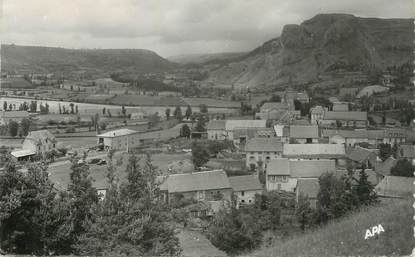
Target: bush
[{"x": 70, "y": 130}]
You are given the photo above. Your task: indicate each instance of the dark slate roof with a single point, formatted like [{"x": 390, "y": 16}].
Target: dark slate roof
[
  {"x": 393, "y": 186},
  {"x": 360, "y": 116},
  {"x": 259, "y": 144},
  {"x": 197, "y": 181},
  {"x": 245, "y": 183},
  {"x": 300, "y": 131},
  {"x": 216, "y": 125}
]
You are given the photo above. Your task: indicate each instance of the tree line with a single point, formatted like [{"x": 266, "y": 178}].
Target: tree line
[{"x": 132, "y": 219}]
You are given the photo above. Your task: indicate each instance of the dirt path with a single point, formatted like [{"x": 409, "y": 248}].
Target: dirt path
[{"x": 195, "y": 243}]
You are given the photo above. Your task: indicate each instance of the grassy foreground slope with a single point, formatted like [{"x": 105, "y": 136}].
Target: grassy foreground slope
[{"x": 346, "y": 237}]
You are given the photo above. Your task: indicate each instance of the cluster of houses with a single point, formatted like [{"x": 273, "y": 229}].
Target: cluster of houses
[{"x": 294, "y": 153}]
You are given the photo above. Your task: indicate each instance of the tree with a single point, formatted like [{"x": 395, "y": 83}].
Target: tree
[
  {"x": 177, "y": 113},
  {"x": 235, "y": 231},
  {"x": 29, "y": 212},
  {"x": 5, "y": 105},
  {"x": 33, "y": 106},
  {"x": 303, "y": 211},
  {"x": 13, "y": 128},
  {"x": 332, "y": 198},
  {"x": 167, "y": 113},
  {"x": 72, "y": 108},
  {"x": 123, "y": 111},
  {"x": 25, "y": 124},
  {"x": 76, "y": 109},
  {"x": 79, "y": 198},
  {"x": 203, "y": 108},
  {"x": 185, "y": 131},
  {"x": 132, "y": 219},
  {"x": 103, "y": 111},
  {"x": 364, "y": 190},
  {"x": 60, "y": 109},
  {"x": 403, "y": 168},
  {"x": 103, "y": 125},
  {"x": 201, "y": 123},
  {"x": 188, "y": 112},
  {"x": 385, "y": 151},
  {"x": 200, "y": 154}
]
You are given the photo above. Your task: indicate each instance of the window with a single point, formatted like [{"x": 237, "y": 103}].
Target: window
[
  {"x": 279, "y": 186},
  {"x": 242, "y": 201},
  {"x": 242, "y": 193}
]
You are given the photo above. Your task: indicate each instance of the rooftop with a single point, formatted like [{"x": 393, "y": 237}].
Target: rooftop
[
  {"x": 260, "y": 144},
  {"x": 360, "y": 154},
  {"x": 118, "y": 133},
  {"x": 232, "y": 124},
  {"x": 393, "y": 186},
  {"x": 22, "y": 153},
  {"x": 307, "y": 131},
  {"x": 197, "y": 181},
  {"x": 359, "y": 116},
  {"x": 300, "y": 168},
  {"x": 40, "y": 135},
  {"x": 329, "y": 150},
  {"x": 245, "y": 183}
]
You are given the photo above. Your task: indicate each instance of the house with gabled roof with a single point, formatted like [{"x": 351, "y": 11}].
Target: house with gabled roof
[
  {"x": 304, "y": 134},
  {"x": 245, "y": 188},
  {"x": 231, "y": 125},
  {"x": 315, "y": 151},
  {"x": 262, "y": 150},
  {"x": 119, "y": 139},
  {"x": 362, "y": 156},
  {"x": 242, "y": 135},
  {"x": 199, "y": 186},
  {"x": 345, "y": 137},
  {"x": 352, "y": 119},
  {"x": 407, "y": 152},
  {"x": 396, "y": 187},
  {"x": 283, "y": 173},
  {"x": 216, "y": 130}
]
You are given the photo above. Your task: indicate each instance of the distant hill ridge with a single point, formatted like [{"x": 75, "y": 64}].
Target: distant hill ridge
[
  {"x": 89, "y": 61},
  {"x": 325, "y": 43}
]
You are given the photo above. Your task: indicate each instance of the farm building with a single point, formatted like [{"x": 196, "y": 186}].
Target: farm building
[
  {"x": 262, "y": 150},
  {"x": 119, "y": 139},
  {"x": 200, "y": 186},
  {"x": 245, "y": 188}
]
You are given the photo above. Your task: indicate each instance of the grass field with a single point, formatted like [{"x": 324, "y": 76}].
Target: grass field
[{"x": 346, "y": 237}]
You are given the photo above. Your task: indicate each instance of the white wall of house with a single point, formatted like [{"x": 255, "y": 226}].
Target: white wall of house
[
  {"x": 246, "y": 197},
  {"x": 265, "y": 157},
  {"x": 39, "y": 149},
  {"x": 216, "y": 134},
  {"x": 277, "y": 182},
  {"x": 337, "y": 139},
  {"x": 121, "y": 142}
]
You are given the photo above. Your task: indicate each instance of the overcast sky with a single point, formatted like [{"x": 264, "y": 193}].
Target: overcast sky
[{"x": 172, "y": 27}]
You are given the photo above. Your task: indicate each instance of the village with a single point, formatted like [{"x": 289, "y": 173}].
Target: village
[
  {"x": 207, "y": 128},
  {"x": 209, "y": 160}
]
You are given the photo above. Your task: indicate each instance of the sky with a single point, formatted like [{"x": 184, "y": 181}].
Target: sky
[{"x": 172, "y": 27}]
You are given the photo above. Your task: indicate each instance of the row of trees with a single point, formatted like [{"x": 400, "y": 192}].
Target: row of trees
[
  {"x": 130, "y": 220},
  {"x": 73, "y": 109}
]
